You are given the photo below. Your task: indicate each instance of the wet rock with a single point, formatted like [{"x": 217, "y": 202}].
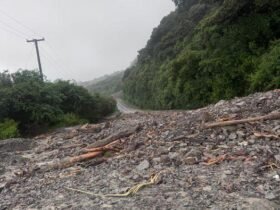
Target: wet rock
[
  {"x": 2, "y": 170},
  {"x": 277, "y": 158},
  {"x": 185, "y": 182},
  {"x": 190, "y": 160},
  {"x": 251, "y": 141},
  {"x": 232, "y": 136},
  {"x": 220, "y": 103},
  {"x": 241, "y": 103},
  {"x": 194, "y": 152},
  {"x": 12, "y": 145},
  {"x": 173, "y": 155},
  {"x": 240, "y": 134},
  {"x": 243, "y": 143},
  {"x": 207, "y": 188},
  {"x": 270, "y": 196},
  {"x": 259, "y": 204},
  {"x": 165, "y": 159},
  {"x": 276, "y": 177},
  {"x": 143, "y": 165},
  {"x": 227, "y": 172},
  {"x": 156, "y": 160}
]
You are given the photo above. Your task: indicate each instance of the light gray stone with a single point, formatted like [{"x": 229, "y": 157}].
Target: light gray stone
[
  {"x": 143, "y": 165},
  {"x": 232, "y": 136}
]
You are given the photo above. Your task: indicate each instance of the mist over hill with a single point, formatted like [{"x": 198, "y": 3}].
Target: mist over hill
[{"x": 106, "y": 85}]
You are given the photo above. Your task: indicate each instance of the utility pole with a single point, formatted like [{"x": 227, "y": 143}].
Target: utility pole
[{"x": 38, "y": 55}]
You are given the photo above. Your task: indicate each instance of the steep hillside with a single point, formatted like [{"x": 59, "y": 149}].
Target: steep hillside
[
  {"x": 106, "y": 85},
  {"x": 205, "y": 51}
]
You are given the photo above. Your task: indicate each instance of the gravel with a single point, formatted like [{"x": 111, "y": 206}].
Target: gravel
[{"x": 219, "y": 168}]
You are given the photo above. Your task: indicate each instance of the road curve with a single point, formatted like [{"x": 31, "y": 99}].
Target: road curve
[{"x": 124, "y": 108}]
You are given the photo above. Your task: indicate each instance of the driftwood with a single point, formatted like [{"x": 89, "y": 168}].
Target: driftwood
[
  {"x": 266, "y": 135},
  {"x": 114, "y": 137},
  {"x": 103, "y": 148},
  {"x": 96, "y": 149},
  {"x": 273, "y": 116},
  {"x": 69, "y": 161}
]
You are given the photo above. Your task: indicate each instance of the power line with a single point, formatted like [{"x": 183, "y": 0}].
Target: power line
[
  {"x": 56, "y": 62},
  {"x": 20, "y": 23},
  {"x": 14, "y": 29},
  {"x": 13, "y": 32},
  {"x": 50, "y": 59},
  {"x": 23, "y": 34},
  {"x": 59, "y": 60}
]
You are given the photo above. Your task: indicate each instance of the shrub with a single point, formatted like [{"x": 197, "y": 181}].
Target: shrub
[
  {"x": 8, "y": 129},
  {"x": 267, "y": 76},
  {"x": 38, "y": 105},
  {"x": 70, "y": 119}
]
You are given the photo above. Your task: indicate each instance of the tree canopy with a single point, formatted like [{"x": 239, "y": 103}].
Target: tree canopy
[
  {"x": 206, "y": 51},
  {"x": 35, "y": 104}
]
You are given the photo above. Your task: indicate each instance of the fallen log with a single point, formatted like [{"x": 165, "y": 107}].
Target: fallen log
[
  {"x": 272, "y": 116},
  {"x": 103, "y": 148},
  {"x": 69, "y": 161},
  {"x": 94, "y": 150},
  {"x": 114, "y": 137}
]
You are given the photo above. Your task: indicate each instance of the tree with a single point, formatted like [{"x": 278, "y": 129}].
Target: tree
[{"x": 34, "y": 104}]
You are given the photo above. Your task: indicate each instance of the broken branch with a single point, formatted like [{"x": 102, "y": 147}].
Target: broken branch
[
  {"x": 266, "y": 135},
  {"x": 104, "y": 148},
  {"x": 114, "y": 137},
  {"x": 273, "y": 116}
]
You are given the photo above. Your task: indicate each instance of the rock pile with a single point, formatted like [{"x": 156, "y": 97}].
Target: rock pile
[{"x": 224, "y": 167}]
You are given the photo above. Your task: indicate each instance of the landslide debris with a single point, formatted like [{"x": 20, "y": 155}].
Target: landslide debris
[{"x": 224, "y": 167}]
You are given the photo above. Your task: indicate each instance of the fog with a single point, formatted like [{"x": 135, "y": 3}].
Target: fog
[{"x": 85, "y": 39}]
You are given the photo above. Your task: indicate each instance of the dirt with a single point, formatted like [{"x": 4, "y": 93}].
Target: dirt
[{"x": 232, "y": 167}]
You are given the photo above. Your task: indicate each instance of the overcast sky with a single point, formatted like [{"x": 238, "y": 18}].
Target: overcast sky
[{"x": 85, "y": 39}]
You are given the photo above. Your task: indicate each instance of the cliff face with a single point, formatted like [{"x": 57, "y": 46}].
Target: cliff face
[{"x": 205, "y": 51}]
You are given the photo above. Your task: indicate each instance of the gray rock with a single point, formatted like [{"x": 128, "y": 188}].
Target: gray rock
[
  {"x": 270, "y": 196},
  {"x": 173, "y": 155},
  {"x": 13, "y": 145},
  {"x": 277, "y": 158},
  {"x": 220, "y": 103},
  {"x": 156, "y": 160},
  {"x": 2, "y": 170},
  {"x": 241, "y": 103},
  {"x": 259, "y": 204},
  {"x": 251, "y": 141},
  {"x": 207, "y": 188},
  {"x": 190, "y": 160},
  {"x": 232, "y": 136},
  {"x": 240, "y": 133},
  {"x": 227, "y": 172},
  {"x": 194, "y": 152},
  {"x": 164, "y": 159},
  {"x": 143, "y": 165}
]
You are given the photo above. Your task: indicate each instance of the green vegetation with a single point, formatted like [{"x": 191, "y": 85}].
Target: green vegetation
[
  {"x": 205, "y": 51},
  {"x": 106, "y": 85},
  {"x": 35, "y": 105},
  {"x": 8, "y": 129}
]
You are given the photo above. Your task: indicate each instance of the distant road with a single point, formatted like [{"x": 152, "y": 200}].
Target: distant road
[{"x": 124, "y": 108}]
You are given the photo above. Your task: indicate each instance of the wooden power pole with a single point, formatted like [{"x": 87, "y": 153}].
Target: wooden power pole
[{"x": 38, "y": 55}]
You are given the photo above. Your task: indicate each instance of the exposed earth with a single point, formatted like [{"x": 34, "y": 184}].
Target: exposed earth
[{"x": 223, "y": 167}]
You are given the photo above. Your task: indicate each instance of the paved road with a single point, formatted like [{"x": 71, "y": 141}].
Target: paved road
[{"x": 124, "y": 108}]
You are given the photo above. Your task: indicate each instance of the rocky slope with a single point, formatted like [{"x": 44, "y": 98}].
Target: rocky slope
[{"x": 227, "y": 167}]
